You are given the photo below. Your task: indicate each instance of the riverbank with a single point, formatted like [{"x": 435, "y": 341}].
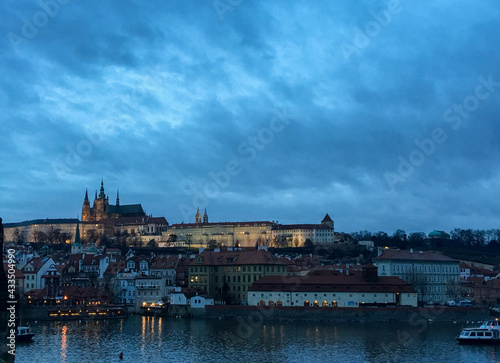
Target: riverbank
[{"x": 380, "y": 314}]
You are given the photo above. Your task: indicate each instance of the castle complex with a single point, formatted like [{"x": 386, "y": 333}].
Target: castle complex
[
  {"x": 249, "y": 234},
  {"x": 104, "y": 219}
]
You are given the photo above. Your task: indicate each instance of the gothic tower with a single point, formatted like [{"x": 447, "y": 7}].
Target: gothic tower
[
  {"x": 205, "y": 216},
  {"x": 86, "y": 208},
  {"x": 101, "y": 205},
  {"x": 197, "y": 217}
]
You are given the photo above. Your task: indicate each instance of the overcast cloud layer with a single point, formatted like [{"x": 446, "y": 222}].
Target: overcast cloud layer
[{"x": 383, "y": 114}]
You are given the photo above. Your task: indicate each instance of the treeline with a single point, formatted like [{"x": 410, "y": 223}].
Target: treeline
[
  {"x": 52, "y": 236},
  {"x": 460, "y": 238}
]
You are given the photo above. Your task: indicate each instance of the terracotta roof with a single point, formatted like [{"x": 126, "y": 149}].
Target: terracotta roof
[
  {"x": 37, "y": 263},
  {"x": 224, "y": 258},
  {"x": 332, "y": 283},
  {"x": 416, "y": 255},
  {"x": 114, "y": 267},
  {"x": 327, "y": 218}
]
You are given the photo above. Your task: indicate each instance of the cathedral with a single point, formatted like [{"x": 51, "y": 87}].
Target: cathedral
[{"x": 103, "y": 210}]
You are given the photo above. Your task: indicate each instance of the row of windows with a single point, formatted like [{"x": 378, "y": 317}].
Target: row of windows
[
  {"x": 424, "y": 268},
  {"x": 145, "y": 293},
  {"x": 234, "y": 280}
]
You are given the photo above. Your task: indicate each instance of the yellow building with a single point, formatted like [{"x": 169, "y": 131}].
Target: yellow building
[
  {"x": 227, "y": 275},
  {"x": 250, "y": 234}
]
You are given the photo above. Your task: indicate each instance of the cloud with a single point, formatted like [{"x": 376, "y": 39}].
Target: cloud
[{"x": 158, "y": 98}]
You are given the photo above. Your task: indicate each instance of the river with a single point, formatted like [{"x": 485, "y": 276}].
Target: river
[{"x": 155, "y": 339}]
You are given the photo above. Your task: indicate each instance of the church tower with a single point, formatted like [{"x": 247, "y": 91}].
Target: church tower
[
  {"x": 86, "y": 208},
  {"x": 101, "y": 204},
  {"x": 197, "y": 217},
  {"x": 205, "y": 216}
]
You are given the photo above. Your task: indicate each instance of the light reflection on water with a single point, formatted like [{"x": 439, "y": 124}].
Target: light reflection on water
[{"x": 155, "y": 339}]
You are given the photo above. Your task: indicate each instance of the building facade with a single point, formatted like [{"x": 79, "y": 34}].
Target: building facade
[
  {"x": 436, "y": 277},
  {"x": 227, "y": 275},
  {"x": 333, "y": 289},
  {"x": 201, "y": 233}
]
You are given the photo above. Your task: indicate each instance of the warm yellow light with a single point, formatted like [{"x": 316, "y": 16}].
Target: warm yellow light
[{"x": 65, "y": 297}]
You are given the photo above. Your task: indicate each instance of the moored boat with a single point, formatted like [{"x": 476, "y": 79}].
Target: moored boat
[{"x": 24, "y": 334}]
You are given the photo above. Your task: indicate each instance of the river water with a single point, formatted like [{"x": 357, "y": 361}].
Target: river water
[{"x": 155, "y": 339}]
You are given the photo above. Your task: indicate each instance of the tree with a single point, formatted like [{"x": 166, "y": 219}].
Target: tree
[
  {"x": 416, "y": 239},
  {"x": 419, "y": 281},
  {"x": 18, "y": 236},
  {"x": 454, "y": 289},
  {"x": 212, "y": 244},
  {"x": 39, "y": 237},
  {"x": 151, "y": 243},
  {"x": 362, "y": 235}
]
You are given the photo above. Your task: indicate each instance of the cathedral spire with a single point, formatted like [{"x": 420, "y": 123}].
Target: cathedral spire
[
  {"x": 86, "y": 196},
  {"x": 205, "y": 216},
  {"x": 197, "y": 217},
  {"x": 101, "y": 193},
  {"x": 117, "y": 198},
  {"x": 77, "y": 233}
]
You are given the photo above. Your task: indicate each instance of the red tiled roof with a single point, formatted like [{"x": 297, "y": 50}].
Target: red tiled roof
[
  {"x": 114, "y": 267},
  {"x": 331, "y": 283},
  {"x": 37, "y": 263},
  {"x": 416, "y": 255}
]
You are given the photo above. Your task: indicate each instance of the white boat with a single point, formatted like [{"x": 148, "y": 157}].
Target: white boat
[
  {"x": 490, "y": 324},
  {"x": 487, "y": 333}
]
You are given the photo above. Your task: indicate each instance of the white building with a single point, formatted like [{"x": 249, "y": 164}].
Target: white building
[
  {"x": 34, "y": 270},
  {"x": 187, "y": 296},
  {"x": 436, "y": 277},
  {"x": 150, "y": 290},
  {"x": 324, "y": 288}
]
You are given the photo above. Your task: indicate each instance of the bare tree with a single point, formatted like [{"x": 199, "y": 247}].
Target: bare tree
[
  {"x": 454, "y": 289},
  {"x": 18, "y": 236},
  {"x": 419, "y": 281}
]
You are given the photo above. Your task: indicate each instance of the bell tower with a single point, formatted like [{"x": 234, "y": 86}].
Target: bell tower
[
  {"x": 197, "y": 217},
  {"x": 86, "y": 216}
]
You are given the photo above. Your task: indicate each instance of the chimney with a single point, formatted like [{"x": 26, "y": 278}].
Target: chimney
[{"x": 411, "y": 250}]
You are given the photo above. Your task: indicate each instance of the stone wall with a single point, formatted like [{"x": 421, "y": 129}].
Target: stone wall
[{"x": 397, "y": 314}]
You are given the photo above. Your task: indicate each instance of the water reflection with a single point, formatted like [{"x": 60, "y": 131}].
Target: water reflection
[
  {"x": 64, "y": 344},
  {"x": 157, "y": 339}
]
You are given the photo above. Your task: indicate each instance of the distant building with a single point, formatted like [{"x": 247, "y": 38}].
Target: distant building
[
  {"x": 331, "y": 288},
  {"x": 435, "y": 276},
  {"x": 249, "y": 234},
  {"x": 439, "y": 235}
]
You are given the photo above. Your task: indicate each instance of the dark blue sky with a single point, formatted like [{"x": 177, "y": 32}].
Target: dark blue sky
[{"x": 383, "y": 114}]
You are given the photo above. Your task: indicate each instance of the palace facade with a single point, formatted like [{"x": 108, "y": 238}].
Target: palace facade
[{"x": 250, "y": 234}]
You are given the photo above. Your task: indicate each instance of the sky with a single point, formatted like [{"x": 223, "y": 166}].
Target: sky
[{"x": 384, "y": 114}]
